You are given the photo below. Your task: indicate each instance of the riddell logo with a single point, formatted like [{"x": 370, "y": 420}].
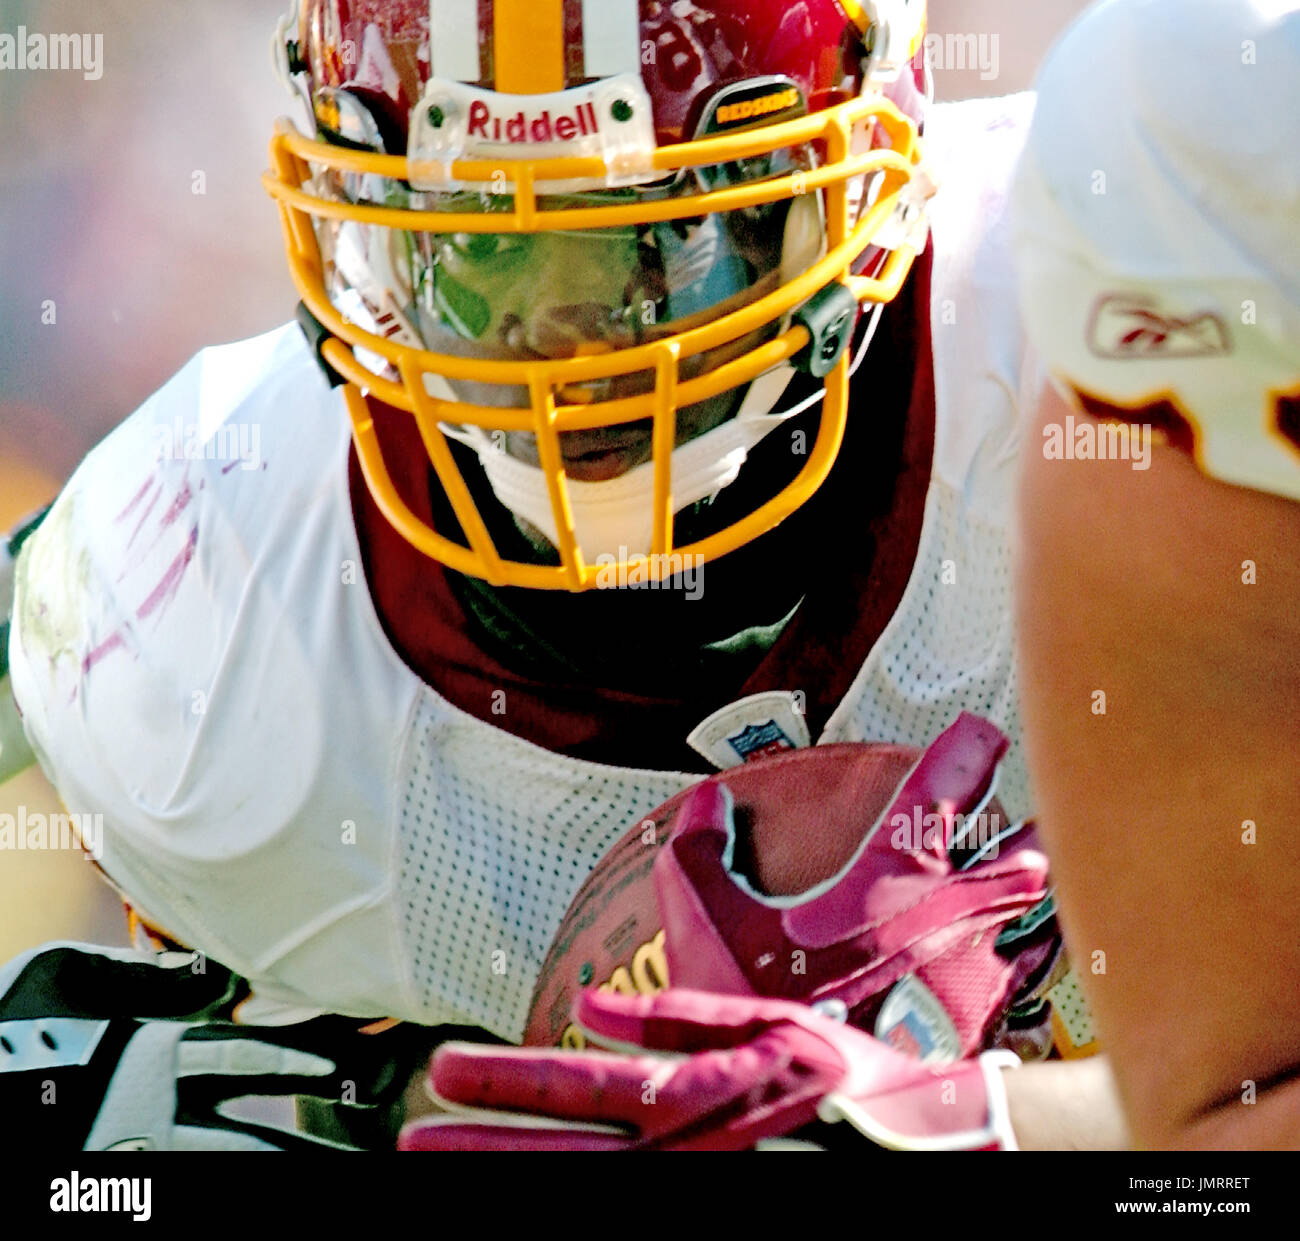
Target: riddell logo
[
  {"x": 580, "y": 122},
  {"x": 1138, "y": 327}
]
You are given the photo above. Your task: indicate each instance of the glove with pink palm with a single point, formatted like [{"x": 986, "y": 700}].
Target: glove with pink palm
[{"x": 689, "y": 1070}]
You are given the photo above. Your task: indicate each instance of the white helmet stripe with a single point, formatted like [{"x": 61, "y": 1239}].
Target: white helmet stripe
[
  {"x": 453, "y": 40},
  {"x": 611, "y": 37}
]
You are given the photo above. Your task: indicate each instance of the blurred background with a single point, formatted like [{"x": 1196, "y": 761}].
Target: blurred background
[{"x": 132, "y": 217}]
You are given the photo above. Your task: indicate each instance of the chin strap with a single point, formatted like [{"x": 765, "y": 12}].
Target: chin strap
[{"x": 615, "y": 518}]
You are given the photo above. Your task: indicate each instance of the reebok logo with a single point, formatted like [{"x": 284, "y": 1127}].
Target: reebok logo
[{"x": 1129, "y": 326}]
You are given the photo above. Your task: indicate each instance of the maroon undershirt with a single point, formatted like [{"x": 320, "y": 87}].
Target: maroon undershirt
[{"x": 864, "y": 528}]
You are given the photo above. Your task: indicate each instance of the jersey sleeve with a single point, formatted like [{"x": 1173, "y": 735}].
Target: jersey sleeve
[
  {"x": 1155, "y": 228},
  {"x": 149, "y": 661}
]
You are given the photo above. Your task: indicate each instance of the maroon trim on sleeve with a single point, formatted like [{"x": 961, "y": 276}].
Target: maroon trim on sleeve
[
  {"x": 1288, "y": 419},
  {"x": 1161, "y": 416}
]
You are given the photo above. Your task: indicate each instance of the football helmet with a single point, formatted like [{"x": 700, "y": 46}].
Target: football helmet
[{"x": 586, "y": 244}]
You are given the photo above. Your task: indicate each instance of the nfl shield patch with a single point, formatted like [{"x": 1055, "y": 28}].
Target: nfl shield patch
[{"x": 759, "y": 740}]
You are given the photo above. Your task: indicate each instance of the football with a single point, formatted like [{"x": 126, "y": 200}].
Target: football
[{"x": 828, "y": 797}]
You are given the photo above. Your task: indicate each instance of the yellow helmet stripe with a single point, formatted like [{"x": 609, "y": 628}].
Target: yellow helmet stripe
[{"x": 528, "y": 46}]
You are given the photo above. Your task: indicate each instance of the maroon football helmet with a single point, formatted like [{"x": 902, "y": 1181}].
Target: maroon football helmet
[{"x": 592, "y": 240}]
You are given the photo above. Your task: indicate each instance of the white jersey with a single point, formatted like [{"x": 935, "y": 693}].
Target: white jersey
[
  {"x": 1158, "y": 226},
  {"x": 199, "y": 661}
]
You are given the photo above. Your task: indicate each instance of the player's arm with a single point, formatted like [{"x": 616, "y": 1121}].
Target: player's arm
[
  {"x": 1066, "y": 1105},
  {"x": 1170, "y": 818}
]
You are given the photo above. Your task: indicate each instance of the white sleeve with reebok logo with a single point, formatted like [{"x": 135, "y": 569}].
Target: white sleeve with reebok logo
[{"x": 1155, "y": 224}]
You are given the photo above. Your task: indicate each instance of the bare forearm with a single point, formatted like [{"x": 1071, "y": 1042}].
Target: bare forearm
[
  {"x": 1160, "y": 710},
  {"x": 1066, "y": 1105}
]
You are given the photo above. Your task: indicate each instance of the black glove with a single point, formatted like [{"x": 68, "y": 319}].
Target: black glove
[{"x": 110, "y": 1049}]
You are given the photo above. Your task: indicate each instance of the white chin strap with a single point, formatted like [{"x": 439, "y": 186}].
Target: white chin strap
[{"x": 616, "y": 518}]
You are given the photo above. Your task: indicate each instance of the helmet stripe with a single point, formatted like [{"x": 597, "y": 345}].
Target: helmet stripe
[
  {"x": 453, "y": 39},
  {"x": 857, "y": 15},
  {"x": 611, "y": 37},
  {"x": 528, "y": 46}
]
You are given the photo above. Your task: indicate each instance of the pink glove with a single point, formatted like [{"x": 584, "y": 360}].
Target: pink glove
[
  {"x": 708, "y": 1072},
  {"x": 909, "y": 935}
]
